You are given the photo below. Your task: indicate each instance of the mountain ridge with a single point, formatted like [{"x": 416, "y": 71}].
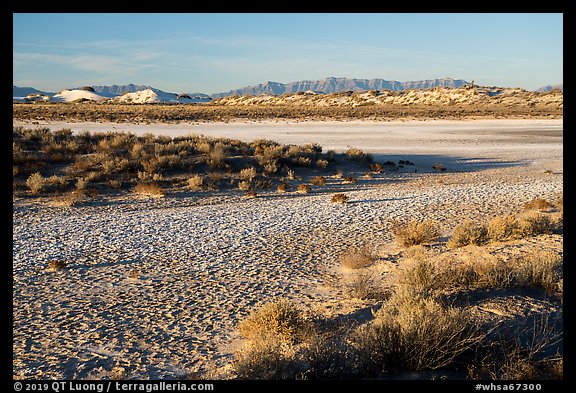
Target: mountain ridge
[{"x": 338, "y": 85}]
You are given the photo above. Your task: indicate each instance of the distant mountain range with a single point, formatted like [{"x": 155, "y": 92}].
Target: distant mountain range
[
  {"x": 327, "y": 85},
  {"x": 338, "y": 85}
]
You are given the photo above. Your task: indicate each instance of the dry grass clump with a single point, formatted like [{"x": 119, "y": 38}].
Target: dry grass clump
[
  {"x": 339, "y": 198},
  {"x": 282, "y": 187},
  {"x": 413, "y": 332},
  {"x": 468, "y": 232},
  {"x": 534, "y": 223},
  {"x": 539, "y": 204},
  {"x": 303, "y": 188},
  {"x": 415, "y": 232},
  {"x": 350, "y": 180},
  {"x": 540, "y": 269},
  {"x": 248, "y": 174},
  {"x": 244, "y": 185},
  {"x": 318, "y": 180},
  {"x": 322, "y": 163},
  {"x": 275, "y": 333},
  {"x": 151, "y": 189},
  {"x": 36, "y": 183},
  {"x": 196, "y": 182},
  {"x": 358, "y": 155},
  {"x": 277, "y": 320},
  {"x": 357, "y": 258},
  {"x": 362, "y": 285},
  {"x": 501, "y": 228}
]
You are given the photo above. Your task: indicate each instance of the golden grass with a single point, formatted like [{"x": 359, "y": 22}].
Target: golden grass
[{"x": 415, "y": 232}]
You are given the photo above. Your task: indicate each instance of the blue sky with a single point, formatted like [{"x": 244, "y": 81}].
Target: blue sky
[{"x": 211, "y": 53}]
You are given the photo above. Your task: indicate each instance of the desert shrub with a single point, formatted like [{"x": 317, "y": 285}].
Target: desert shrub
[
  {"x": 290, "y": 174},
  {"x": 339, "y": 198},
  {"x": 244, "y": 185},
  {"x": 196, "y": 182},
  {"x": 36, "y": 183},
  {"x": 540, "y": 269},
  {"x": 338, "y": 174},
  {"x": 318, "y": 180},
  {"x": 216, "y": 157},
  {"x": 271, "y": 166},
  {"x": 502, "y": 228},
  {"x": 267, "y": 360},
  {"x": 412, "y": 332},
  {"x": 82, "y": 184},
  {"x": 248, "y": 174},
  {"x": 539, "y": 204},
  {"x": 468, "y": 232},
  {"x": 322, "y": 164},
  {"x": 362, "y": 285},
  {"x": 277, "y": 320},
  {"x": 350, "y": 180},
  {"x": 357, "y": 258},
  {"x": 302, "y": 161},
  {"x": 358, "y": 155},
  {"x": 303, "y": 188},
  {"x": 282, "y": 187},
  {"x": 151, "y": 189},
  {"x": 534, "y": 223},
  {"x": 415, "y": 232}
]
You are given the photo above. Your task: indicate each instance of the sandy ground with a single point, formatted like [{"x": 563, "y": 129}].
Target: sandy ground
[{"x": 154, "y": 287}]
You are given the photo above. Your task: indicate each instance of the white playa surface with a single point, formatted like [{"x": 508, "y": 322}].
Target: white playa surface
[{"x": 204, "y": 262}]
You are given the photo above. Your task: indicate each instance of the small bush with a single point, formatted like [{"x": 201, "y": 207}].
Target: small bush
[
  {"x": 540, "y": 269},
  {"x": 357, "y": 259},
  {"x": 277, "y": 320},
  {"x": 414, "y": 333},
  {"x": 539, "y": 204},
  {"x": 318, "y": 180},
  {"x": 303, "y": 188},
  {"x": 282, "y": 187},
  {"x": 362, "y": 286},
  {"x": 322, "y": 164},
  {"x": 36, "y": 183},
  {"x": 339, "y": 198},
  {"x": 415, "y": 232},
  {"x": 534, "y": 223},
  {"x": 244, "y": 185},
  {"x": 196, "y": 182},
  {"x": 248, "y": 174},
  {"x": 151, "y": 189},
  {"x": 358, "y": 155},
  {"x": 350, "y": 180},
  {"x": 468, "y": 232},
  {"x": 502, "y": 228}
]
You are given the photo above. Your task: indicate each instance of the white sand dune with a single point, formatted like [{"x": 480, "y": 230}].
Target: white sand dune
[
  {"x": 75, "y": 95},
  {"x": 147, "y": 96}
]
